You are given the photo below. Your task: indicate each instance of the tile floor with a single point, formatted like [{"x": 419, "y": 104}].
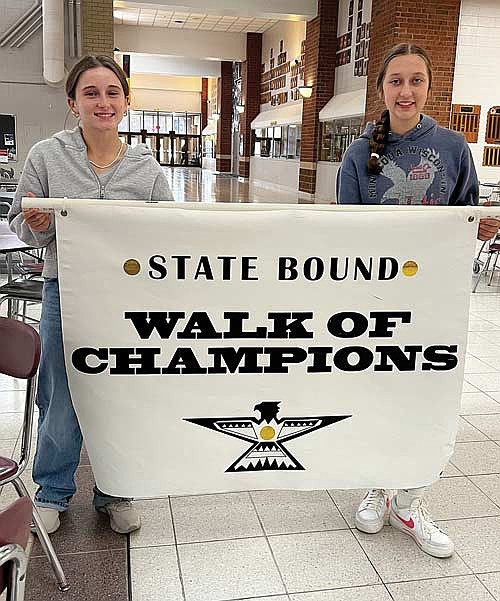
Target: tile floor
[{"x": 285, "y": 545}]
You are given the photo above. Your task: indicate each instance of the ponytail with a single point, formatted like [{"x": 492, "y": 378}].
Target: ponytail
[{"x": 377, "y": 142}]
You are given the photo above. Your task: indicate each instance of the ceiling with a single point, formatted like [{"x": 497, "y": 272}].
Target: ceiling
[{"x": 130, "y": 14}]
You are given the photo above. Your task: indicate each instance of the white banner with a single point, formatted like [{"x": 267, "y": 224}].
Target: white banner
[{"x": 223, "y": 348}]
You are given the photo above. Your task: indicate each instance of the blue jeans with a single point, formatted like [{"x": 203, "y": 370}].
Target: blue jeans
[{"x": 59, "y": 436}]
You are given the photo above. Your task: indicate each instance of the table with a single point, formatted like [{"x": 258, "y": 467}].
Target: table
[{"x": 494, "y": 197}]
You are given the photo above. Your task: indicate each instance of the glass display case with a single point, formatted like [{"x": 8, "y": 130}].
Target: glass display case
[
  {"x": 336, "y": 137},
  {"x": 280, "y": 141}
]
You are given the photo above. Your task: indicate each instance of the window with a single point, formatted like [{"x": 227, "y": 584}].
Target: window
[
  {"x": 193, "y": 124},
  {"x": 293, "y": 142},
  {"x": 284, "y": 136},
  {"x": 277, "y": 141},
  {"x": 150, "y": 122},
  {"x": 282, "y": 141},
  {"x": 491, "y": 156},
  {"x": 123, "y": 125},
  {"x": 263, "y": 142},
  {"x": 162, "y": 122},
  {"x": 493, "y": 126},
  {"x": 336, "y": 136},
  {"x": 179, "y": 123},
  {"x": 135, "y": 121},
  {"x": 465, "y": 119}
]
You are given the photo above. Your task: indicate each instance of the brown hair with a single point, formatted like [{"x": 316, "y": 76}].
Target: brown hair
[
  {"x": 380, "y": 132},
  {"x": 91, "y": 62}
]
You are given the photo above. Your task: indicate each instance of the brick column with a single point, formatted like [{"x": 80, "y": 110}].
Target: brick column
[
  {"x": 97, "y": 27},
  {"x": 434, "y": 27},
  {"x": 319, "y": 72},
  {"x": 204, "y": 102},
  {"x": 250, "y": 94},
  {"x": 225, "y": 122}
]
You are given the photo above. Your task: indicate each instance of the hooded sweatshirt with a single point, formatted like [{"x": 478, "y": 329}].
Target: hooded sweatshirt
[
  {"x": 59, "y": 168},
  {"x": 428, "y": 165}
]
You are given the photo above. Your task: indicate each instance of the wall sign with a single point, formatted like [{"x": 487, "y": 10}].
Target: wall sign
[{"x": 8, "y": 146}]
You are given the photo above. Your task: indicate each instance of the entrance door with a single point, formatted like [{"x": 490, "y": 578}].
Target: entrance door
[{"x": 165, "y": 150}]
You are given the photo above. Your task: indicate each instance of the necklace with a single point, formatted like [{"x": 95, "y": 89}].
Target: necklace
[{"x": 112, "y": 162}]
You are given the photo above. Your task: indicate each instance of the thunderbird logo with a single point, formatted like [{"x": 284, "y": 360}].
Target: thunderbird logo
[{"x": 267, "y": 435}]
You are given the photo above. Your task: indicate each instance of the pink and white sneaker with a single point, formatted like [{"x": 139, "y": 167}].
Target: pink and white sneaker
[
  {"x": 416, "y": 521},
  {"x": 370, "y": 516}
]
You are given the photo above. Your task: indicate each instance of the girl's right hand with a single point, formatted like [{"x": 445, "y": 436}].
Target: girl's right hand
[{"x": 38, "y": 220}]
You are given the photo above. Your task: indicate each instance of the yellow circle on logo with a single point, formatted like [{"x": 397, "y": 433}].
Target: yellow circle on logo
[
  {"x": 410, "y": 268},
  {"x": 131, "y": 267},
  {"x": 267, "y": 433}
]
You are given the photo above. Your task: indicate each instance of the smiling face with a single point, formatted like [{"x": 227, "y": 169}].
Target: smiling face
[
  {"x": 99, "y": 100},
  {"x": 405, "y": 88}
]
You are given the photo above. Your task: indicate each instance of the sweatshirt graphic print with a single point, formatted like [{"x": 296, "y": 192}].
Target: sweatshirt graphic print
[{"x": 428, "y": 165}]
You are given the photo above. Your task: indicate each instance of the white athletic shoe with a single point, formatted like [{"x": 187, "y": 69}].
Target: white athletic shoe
[
  {"x": 416, "y": 521},
  {"x": 50, "y": 519},
  {"x": 371, "y": 513},
  {"x": 123, "y": 516}
]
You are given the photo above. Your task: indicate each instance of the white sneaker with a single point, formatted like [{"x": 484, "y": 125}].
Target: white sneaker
[
  {"x": 371, "y": 513},
  {"x": 416, "y": 521},
  {"x": 50, "y": 519},
  {"x": 123, "y": 517}
]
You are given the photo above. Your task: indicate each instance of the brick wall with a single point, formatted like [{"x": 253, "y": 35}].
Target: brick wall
[
  {"x": 225, "y": 122},
  {"x": 250, "y": 93},
  {"x": 204, "y": 102},
  {"x": 432, "y": 25},
  {"x": 97, "y": 27},
  {"x": 319, "y": 71}
]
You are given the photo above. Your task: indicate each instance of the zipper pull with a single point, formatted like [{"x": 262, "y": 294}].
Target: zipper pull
[{"x": 101, "y": 192}]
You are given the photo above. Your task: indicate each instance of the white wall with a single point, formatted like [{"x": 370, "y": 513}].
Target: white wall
[
  {"x": 282, "y": 174},
  {"x": 168, "y": 65},
  {"x": 326, "y": 176},
  {"x": 40, "y": 109},
  {"x": 156, "y": 92},
  {"x": 292, "y": 34},
  {"x": 344, "y": 74},
  {"x": 185, "y": 43},
  {"x": 165, "y": 100},
  {"x": 477, "y": 76}
]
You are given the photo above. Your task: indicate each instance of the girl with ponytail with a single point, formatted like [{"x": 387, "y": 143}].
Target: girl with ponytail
[{"x": 406, "y": 158}]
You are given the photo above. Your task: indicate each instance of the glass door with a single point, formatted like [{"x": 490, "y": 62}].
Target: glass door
[
  {"x": 194, "y": 151},
  {"x": 165, "y": 153}
]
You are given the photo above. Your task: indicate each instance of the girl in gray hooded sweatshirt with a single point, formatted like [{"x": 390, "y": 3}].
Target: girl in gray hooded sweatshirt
[
  {"x": 406, "y": 158},
  {"x": 87, "y": 162}
]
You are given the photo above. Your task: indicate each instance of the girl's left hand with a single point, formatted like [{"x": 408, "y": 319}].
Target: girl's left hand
[{"x": 488, "y": 228}]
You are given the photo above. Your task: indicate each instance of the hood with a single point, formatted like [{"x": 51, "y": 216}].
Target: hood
[
  {"x": 72, "y": 138},
  {"x": 426, "y": 126}
]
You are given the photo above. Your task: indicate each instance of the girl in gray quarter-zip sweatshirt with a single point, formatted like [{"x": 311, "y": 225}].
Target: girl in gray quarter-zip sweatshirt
[{"x": 58, "y": 167}]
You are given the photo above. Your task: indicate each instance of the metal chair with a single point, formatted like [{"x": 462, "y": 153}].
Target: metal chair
[
  {"x": 15, "y": 523},
  {"x": 22, "y": 290},
  {"x": 492, "y": 250},
  {"x": 19, "y": 291},
  {"x": 19, "y": 358}
]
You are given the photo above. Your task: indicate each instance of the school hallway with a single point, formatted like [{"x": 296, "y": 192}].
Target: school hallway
[{"x": 286, "y": 545}]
